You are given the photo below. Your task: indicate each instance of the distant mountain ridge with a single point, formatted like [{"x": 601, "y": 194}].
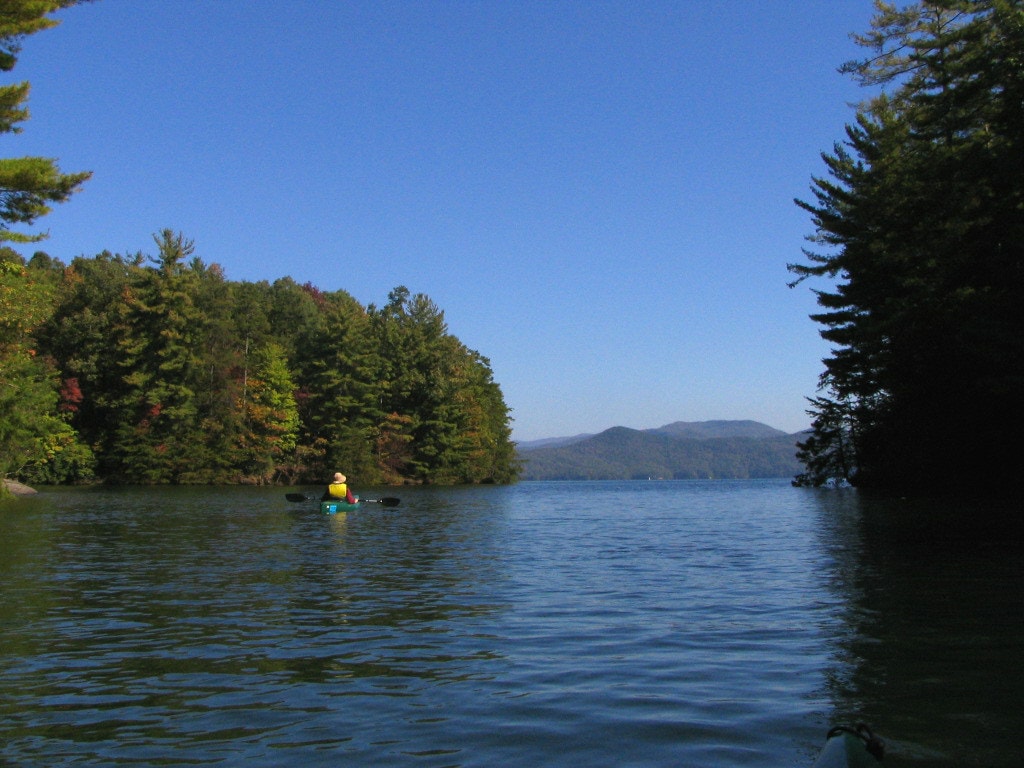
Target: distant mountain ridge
[
  {"x": 551, "y": 442},
  {"x": 676, "y": 451},
  {"x": 708, "y": 430}
]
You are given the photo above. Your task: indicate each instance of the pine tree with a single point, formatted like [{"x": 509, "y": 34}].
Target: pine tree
[
  {"x": 156, "y": 422},
  {"x": 335, "y": 370},
  {"x": 449, "y": 422},
  {"x": 220, "y": 354},
  {"x": 28, "y": 185},
  {"x": 922, "y": 222}
]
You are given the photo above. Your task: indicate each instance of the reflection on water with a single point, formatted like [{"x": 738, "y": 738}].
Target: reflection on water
[
  {"x": 932, "y": 626},
  {"x": 644, "y": 624}
]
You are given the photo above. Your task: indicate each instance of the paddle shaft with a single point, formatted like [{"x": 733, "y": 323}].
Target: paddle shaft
[{"x": 387, "y": 501}]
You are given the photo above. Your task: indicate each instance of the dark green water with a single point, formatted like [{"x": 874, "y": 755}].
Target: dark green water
[{"x": 645, "y": 624}]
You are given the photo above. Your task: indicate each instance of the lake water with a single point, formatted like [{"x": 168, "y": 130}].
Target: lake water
[{"x": 717, "y": 623}]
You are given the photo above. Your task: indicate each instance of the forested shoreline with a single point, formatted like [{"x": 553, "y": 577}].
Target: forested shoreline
[
  {"x": 136, "y": 369},
  {"x": 919, "y": 238},
  {"x": 158, "y": 369}
]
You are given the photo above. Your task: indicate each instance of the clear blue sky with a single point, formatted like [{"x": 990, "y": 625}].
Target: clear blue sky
[{"x": 597, "y": 194}]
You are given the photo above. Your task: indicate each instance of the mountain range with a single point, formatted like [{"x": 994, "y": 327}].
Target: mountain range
[{"x": 678, "y": 451}]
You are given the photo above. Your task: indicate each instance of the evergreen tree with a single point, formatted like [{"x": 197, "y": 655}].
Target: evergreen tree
[
  {"x": 30, "y": 430},
  {"x": 449, "y": 422},
  {"x": 156, "y": 426},
  {"x": 218, "y": 387},
  {"x": 336, "y": 369},
  {"x": 28, "y": 185},
  {"x": 251, "y": 318},
  {"x": 923, "y": 225},
  {"x": 291, "y": 311},
  {"x": 409, "y": 332}
]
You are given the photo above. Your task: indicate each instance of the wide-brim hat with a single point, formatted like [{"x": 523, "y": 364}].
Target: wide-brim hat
[{"x": 339, "y": 478}]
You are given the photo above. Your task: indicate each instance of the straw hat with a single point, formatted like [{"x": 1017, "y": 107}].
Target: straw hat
[{"x": 339, "y": 478}]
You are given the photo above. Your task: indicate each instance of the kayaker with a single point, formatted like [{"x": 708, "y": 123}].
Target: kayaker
[{"x": 338, "y": 489}]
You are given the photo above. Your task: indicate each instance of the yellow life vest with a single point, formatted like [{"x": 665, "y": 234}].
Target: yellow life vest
[{"x": 338, "y": 490}]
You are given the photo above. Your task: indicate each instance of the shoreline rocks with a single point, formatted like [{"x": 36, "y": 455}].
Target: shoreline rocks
[{"x": 18, "y": 489}]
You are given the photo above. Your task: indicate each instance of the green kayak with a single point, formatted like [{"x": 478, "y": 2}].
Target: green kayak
[
  {"x": 850, "y": 748},
  {"x": 333, "y": 507}
]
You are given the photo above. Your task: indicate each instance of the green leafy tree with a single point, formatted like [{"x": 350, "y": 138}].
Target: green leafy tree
[
  {"x": 490, "y": 455},
  {"x": 28, "y": 389},
  {"x": 37, "y": 442},
  {"x": 80, "y": 336},
  {"x": 25, "y": 301},
  {"x": 270, "y": 414},
  {"x": 30, "y": 431},
  {"x": 28, "y": 185},
  {"x": 921, "y": 231}
]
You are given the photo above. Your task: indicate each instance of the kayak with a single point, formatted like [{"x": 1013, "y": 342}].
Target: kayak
[
  {"x": 850, "y": 748},
  {"x": 333, "y": 507}
]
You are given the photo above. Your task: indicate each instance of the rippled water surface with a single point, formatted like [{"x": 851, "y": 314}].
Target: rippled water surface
[{"x": 544, "y": 624}]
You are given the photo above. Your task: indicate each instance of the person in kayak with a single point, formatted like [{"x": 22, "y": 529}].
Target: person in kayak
[{"x": 338, "y": 489}]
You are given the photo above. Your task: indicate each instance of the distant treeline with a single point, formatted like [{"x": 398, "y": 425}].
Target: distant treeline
[
  {"x": 160, "y": 370},
  {"x": 620, "y": 453}
]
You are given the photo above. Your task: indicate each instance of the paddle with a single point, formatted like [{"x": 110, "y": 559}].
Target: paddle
[{"x": 387, "y": 501}]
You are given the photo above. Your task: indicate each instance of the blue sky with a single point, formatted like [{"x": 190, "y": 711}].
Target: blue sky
[{"x": 597, "y": 194}]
